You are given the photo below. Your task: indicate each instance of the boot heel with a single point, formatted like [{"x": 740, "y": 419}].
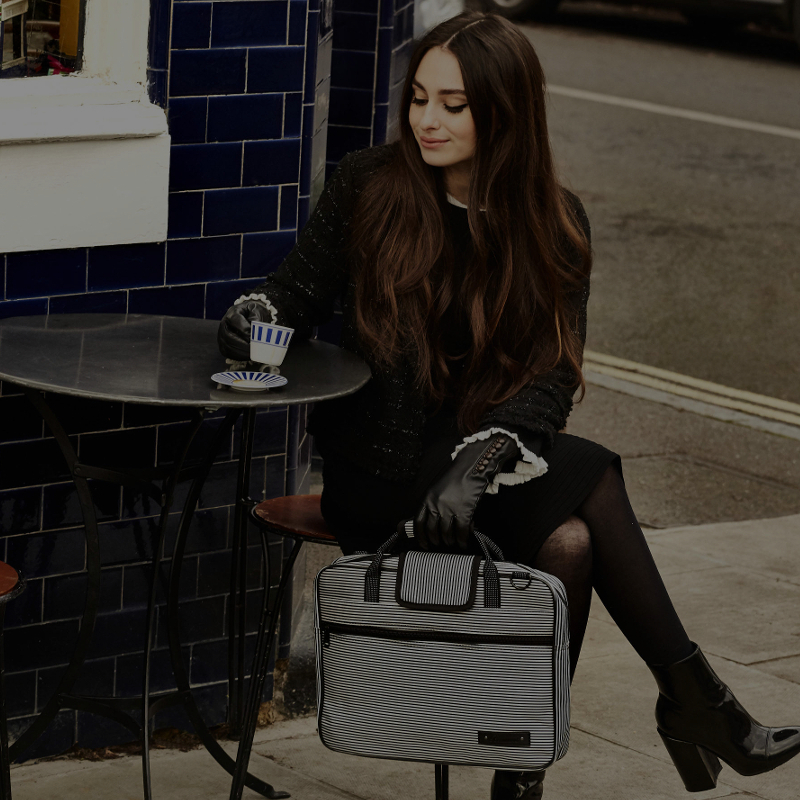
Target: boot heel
[{"x": 697, "y": 767}]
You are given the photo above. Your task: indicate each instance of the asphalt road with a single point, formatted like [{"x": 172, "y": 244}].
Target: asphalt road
[{"x": 696, "y": 224}]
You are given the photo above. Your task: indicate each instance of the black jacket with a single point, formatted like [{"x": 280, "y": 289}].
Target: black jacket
[{"x": 380, "y": 426}]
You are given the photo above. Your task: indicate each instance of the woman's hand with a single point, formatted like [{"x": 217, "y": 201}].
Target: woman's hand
[
  {"x": 445, "y": 518},
  {"x": 233, "y": 334}
]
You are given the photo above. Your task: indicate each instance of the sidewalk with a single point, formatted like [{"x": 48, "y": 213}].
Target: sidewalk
[{"x": 737, "y": 588}]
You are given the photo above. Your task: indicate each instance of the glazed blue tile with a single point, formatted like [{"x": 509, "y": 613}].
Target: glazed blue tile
[
  {"x": 49, "y": 553},
  {"x": 20, "y": 693},
  {"x": 126, "y": 266},
  {"x": 253, "y": 23},
  {"x": 204, "y": 166},
  {"x": 185, "y": 215},
  {"x": 210, "y": 659},
  {"x": 92, "y": 303},
  {"x": 275, "y": 69},
  {"x": 125, "y": 448},
  {"x": 302, "y": 211},
  {"x": 353, "y": 69},
  {"x": 356, "y": 31},
  {"x": 379, "y": 122},
  {"x": 207, "y": 72},
  {"x": 297, "y": 21},
  {"x": 313, "y": 5},
  {"x": 288, "y": 207},
  {"x": 93, "y": 731},
  {"x": 19, "y": 420},
  {"x": 220, "y": 295},
  {"x": 191, "y": 26},
  {"x": 292, "y": 114},
  {"x": 82, "y": 415},
  {"x": 20, "y": 511},
  {"x": 63, "y": 594},
  {"x": 31, "y": 463},
  {"x": 187, "y": 119},
  {"x": 127, "y": 541},
  {"x": 241, "y": 210},
  {"x": 351, "y": 107},
  {"x": 342, "y": 141},
  {"x": 25, "y": 610},
  {"x": 386, "y": 12},
  {"x": 263, "y": 253},
  {"x": 361, "y": 6},
  {"x": 275, "y": 478},
  {"x": 23, "y": 308},
  {"x": 157, "y": 80},
  {"x": 400, "y": 61},
  {"x": 271, "y": 163},
  {"x": 177, "y": 301},
  {"x": 158, "y": 34},
  {"x": 61, "y": 505},
  {"x": 39, "y": 645},
  {"x": 207, "y": 259},
  {"x": 45, "y": 273},
  {"x": 239, "y": 117},
  {"x": 383, "y": 76}
]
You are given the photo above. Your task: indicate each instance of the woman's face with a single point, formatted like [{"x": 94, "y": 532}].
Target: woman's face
[{"x": 439, "y": 114}]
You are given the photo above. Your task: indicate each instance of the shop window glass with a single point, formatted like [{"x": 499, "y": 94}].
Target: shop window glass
[{"x": 41, "y": 37}]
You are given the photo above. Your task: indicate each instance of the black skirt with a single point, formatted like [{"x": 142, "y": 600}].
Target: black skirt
[{"x": 363, "y": 510}]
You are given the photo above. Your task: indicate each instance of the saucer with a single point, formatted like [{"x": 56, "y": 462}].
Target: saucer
[{"x": 249, "y": 381}]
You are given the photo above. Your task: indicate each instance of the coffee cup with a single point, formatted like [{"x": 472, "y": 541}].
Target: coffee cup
[{"x": 268, "y": 343}]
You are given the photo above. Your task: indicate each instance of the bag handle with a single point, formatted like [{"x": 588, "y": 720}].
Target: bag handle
[{"x": 491, "y": 579}]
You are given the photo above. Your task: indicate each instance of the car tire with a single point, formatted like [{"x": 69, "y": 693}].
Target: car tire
[{"x": 522, "y": 9}]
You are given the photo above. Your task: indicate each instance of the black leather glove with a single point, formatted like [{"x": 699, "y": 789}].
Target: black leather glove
[
  {"x": 445, "y": 518},
  {"x": 233, "y": 334}
]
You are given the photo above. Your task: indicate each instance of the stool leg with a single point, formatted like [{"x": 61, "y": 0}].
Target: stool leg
[
  {"x": 5, "y": 762},
  {"x": 266, "y": 638},
  {"x": 442, "y": 772}
]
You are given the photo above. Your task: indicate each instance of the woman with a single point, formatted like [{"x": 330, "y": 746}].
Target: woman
[{"x": 463, "y": 269}]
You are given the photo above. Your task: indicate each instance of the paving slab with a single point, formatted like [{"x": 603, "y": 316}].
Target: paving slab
[
  {"x": 614, "y": 698},
  {"x": 768, "y": 546}
]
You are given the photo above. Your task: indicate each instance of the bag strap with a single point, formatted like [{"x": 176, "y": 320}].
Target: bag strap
[{"x": 491, "y": 579}]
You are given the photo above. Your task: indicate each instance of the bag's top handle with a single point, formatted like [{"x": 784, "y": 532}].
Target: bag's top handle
[{"x": 491, "y": 598}]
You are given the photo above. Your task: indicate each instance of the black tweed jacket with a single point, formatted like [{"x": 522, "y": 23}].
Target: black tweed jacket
[{"x": 380, "y": 426}]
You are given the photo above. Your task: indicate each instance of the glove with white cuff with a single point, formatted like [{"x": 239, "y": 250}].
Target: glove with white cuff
[
  {"x": 448, "y": 508},
  {"x": 233, "y": 334}
]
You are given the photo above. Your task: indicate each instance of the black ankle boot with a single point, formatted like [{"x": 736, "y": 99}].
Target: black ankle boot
[
  {"x": 700, "y": 720},
  {"x": 508, "y": 785}
]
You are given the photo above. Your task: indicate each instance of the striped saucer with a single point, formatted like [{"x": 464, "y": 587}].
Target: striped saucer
[{"x": 249, "y": 381}]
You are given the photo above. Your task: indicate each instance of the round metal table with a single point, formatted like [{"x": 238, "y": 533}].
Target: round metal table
[{"x": 160, "y": 361}]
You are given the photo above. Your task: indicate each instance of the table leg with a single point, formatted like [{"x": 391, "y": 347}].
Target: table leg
[
  {"x": 70, "y": 675},
  {"x": 181, "y": 678},
  {"x": 264, "y": 644},
  {"x": 237, "y": 609}
]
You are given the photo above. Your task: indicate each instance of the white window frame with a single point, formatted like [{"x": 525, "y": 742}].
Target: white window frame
[{"x": 92, "y": 140}]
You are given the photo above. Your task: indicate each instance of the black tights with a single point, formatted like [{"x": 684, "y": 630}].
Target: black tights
[{"x": 613, "y": 556}]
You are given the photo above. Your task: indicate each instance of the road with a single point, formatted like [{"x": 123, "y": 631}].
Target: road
[{"x": 696, "y": 222}]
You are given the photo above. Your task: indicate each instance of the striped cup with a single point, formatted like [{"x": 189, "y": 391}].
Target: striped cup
[{"x": 268, "y": 343}]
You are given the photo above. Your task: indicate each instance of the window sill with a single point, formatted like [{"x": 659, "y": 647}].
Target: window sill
[{"x": 83, "y": 162}]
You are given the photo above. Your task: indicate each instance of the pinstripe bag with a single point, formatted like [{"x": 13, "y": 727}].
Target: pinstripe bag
[{"x": 442, "y": 658}]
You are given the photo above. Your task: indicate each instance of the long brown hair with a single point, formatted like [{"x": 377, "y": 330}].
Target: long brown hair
[{"x": 525, "y": 235}]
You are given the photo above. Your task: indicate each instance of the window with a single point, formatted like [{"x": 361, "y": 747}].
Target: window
[
  {"x": 41, "y": 37},
  {"x": 85, "y": 129}
]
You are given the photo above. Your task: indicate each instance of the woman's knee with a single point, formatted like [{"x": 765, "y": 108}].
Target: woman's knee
[{"x": 571, "y": 542}]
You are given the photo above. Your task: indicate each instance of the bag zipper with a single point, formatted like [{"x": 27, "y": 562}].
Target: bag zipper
[{"x": 326, "y": 629}]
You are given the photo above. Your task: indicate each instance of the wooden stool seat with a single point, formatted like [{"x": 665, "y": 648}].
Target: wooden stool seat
[
  {"x": 9, "y": 580},
  {"x": 298, "y": 516}
]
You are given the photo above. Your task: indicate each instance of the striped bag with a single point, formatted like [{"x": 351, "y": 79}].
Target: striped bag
[{"x": 442, "y": 658}]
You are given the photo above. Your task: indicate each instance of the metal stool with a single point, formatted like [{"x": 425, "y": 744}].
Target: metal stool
[
  {"x": 296, "y": 517},
  {"x": 12, "y": 584}
]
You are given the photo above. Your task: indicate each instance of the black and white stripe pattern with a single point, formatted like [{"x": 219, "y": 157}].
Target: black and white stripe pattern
[
  {"x": 439, "y": 579},
  {"x": 423, "y": 699}
]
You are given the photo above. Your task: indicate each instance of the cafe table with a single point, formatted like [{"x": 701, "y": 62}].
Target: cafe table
[{"x": 159, "y": 361}]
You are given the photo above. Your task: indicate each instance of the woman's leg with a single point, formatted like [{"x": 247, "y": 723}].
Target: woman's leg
[
  {"x": 626, "y": 577},
  {"x": 567, "y": 554}
]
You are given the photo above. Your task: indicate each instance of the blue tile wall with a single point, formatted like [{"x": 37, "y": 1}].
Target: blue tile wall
[{"x": 241, "y": 83}]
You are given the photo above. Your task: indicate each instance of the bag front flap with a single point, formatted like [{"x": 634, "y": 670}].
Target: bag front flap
[{"x": 437, "y": 581}]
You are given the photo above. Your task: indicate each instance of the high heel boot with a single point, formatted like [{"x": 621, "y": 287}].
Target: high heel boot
[
  {"x": 507, "y": 785},
  {"x": 700, "y": 721}
]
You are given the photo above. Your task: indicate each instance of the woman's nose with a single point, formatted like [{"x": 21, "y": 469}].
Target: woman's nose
[{"x": 429, "y": 118}]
